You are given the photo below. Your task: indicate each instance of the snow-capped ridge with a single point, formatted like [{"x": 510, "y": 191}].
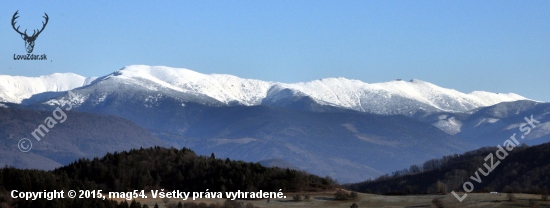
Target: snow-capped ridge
[
  {"x": 391, "y": 97},
  {"x": 15, "y": 89},
  {"x": 222, "y": 87},
  {"x": 397, "y": 96}
]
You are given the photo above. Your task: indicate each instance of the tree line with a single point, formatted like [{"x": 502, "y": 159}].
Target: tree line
[
  {"x": 524, "y": 170},
  {"x": 154, "y": 168}
]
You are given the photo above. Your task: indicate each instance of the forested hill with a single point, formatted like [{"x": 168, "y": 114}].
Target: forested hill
[
  {"x": 160, "y": 168},
  {"x": 525, "y": 169}
]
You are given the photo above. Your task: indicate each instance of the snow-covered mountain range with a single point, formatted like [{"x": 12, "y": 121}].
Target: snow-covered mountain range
[
  {"x": 387, "y": 98},
  {"x": 380, "y": 98}
]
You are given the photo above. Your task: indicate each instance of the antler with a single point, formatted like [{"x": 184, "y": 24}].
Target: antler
[
  {"x": 34, "y": 34},
  {"x": 13, "y": 22}
]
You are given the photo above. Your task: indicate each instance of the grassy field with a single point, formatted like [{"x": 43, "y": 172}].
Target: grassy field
[{"x": 326, "y": 199}]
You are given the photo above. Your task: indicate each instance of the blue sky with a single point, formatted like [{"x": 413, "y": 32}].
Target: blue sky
[{"x": 497, "y": 46}]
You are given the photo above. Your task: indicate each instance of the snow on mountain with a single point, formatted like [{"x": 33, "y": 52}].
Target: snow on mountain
[
  {"x": 15, "y": 89},
  {"x": 394, "y": 97},
  {"x": 224, "y": 88},
  {"x": 388, "y": 98},
  {"x": 489, "y": 98}
]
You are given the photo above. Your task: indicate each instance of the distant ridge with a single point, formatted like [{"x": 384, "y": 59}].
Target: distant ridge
[
  {"x": 15, "y": 89},
  {"x": 386, "y": 98}
]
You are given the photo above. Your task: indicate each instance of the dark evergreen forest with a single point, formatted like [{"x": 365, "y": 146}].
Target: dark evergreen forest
[
  {"x": 525, "y": 169},
  {"x": 152, "y": 169}
]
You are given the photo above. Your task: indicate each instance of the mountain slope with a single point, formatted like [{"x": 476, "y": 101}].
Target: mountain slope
[
  {"x": 488, "y": 126},
  {"x": 18, "y": 89},
  {"x": 524, "y": 169},
  {"x": 80, "y": 135},
  {"x": 347, "y": 145},
  {"x": 493, "y": 124}
]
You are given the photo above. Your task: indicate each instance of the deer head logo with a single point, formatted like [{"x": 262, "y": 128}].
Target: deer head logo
[{"x": 29, "y": 41}]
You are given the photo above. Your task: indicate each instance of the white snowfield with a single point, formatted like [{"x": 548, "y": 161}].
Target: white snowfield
[
  {"x": 393, "y": 97},
  {"x": 15, "y": 89}
]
